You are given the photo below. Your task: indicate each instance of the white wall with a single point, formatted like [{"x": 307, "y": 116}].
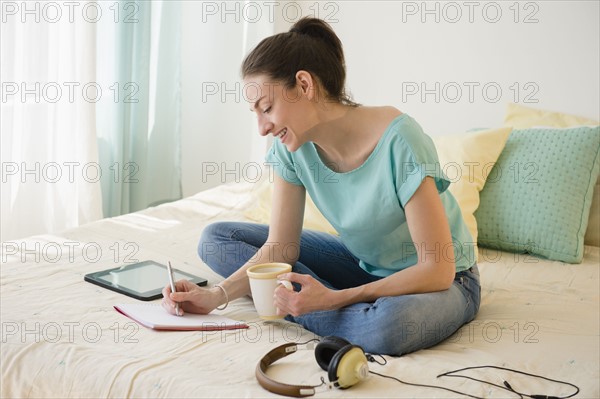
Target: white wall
[
  {"x": 394, "y": 48},
  {"x": 216, "y": 124},
  {"x": 554, "y": 61}
]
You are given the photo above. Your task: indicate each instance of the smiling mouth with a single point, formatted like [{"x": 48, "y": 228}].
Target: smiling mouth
[{"x": 282, "y": 134}]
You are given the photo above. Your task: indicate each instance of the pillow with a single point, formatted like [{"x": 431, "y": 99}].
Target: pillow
[
  {"x": 538, "y": 195},
  {"x": 466, "y": 159},
  {"x": 592, "y": 234},
  {"x": 313, "y": 219},
  {"x": 522, "y": 117}
]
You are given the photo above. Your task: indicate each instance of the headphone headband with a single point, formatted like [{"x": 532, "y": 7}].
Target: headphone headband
[
  {"x": 345, "y": 364},
  {"x": 298, "y": 391}
]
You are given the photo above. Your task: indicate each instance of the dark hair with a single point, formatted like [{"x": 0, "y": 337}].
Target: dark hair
[{"x": 310, "y": 45}]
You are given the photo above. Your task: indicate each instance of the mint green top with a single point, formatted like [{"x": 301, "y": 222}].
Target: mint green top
[{"x": 366, "y": 205}]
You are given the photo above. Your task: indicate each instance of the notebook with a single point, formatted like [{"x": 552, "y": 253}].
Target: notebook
[{"x": 156, "y": 317}]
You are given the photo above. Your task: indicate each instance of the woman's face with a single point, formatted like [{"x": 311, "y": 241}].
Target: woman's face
[{"x": 285, "y": 113}]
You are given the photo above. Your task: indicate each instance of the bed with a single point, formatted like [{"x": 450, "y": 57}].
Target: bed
[{"x": 61, "y": 336}]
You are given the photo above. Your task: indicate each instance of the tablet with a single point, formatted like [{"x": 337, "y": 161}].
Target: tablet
[{"x": 143, "y": 281}]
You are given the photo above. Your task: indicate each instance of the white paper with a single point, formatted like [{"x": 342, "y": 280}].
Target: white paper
[{"x": 156, "y": 317}]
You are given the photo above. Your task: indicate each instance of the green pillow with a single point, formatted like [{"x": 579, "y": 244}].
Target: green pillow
[{"x": 538, "y": 195}]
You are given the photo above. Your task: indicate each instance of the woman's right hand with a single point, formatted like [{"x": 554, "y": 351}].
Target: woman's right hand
[{"x": 191, "y": 298}]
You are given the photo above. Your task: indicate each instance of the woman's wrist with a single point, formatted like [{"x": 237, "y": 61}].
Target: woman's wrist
[
  {"x": 345, "y": 297},
  {"x": 338, "y": 299},
  {"x": 221, "y": 293}
]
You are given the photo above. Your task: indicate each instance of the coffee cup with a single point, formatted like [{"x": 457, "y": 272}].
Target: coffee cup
[{"x": 263, "y": 282}]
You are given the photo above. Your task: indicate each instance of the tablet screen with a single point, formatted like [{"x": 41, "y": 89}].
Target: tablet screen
[{"x": 143, "y": 280}]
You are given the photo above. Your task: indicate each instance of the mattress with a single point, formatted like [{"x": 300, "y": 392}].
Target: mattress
[{"x": 62, "y": 338}]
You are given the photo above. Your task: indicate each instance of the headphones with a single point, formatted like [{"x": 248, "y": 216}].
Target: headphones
[{"x": 346, "y": 365}]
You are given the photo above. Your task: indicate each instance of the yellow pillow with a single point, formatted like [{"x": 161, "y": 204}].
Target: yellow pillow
[
  {"x": 467, "y": 159},
  {"x": 520, "y": 117},
  {"x": 313, "y": 219}
]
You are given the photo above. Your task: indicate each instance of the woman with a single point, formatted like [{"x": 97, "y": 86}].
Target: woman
[{"x": 401, "y": 274}]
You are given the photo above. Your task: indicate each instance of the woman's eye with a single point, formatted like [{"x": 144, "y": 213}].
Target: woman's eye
[{"x": 266, "y": 111}]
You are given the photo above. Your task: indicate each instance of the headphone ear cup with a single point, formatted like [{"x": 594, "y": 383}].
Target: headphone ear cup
[
  {"x": 348, "y": 366},
  {"x": 327, "y": 349}
]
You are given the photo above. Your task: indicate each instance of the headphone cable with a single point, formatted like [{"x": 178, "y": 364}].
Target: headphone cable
[
  {"x": 425, "y": 385},
  {"x": 370, "y": 357},
  {"x": 506, "y": 386}
]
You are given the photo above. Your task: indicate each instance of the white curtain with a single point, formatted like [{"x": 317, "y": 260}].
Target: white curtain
[
  {"x": 90, "y": 111},
  {"x": 50, "y": 169},
  {"x": 139, "y": 131}
]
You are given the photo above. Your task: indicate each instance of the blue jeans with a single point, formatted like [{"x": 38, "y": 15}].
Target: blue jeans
[{"x": 393, "y": 325}]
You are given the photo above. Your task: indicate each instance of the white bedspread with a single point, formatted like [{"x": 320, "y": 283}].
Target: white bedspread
[{"x": 61, "y": 336}]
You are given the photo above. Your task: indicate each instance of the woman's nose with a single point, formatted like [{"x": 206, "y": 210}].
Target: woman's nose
[{"x": 264, "y": 127}]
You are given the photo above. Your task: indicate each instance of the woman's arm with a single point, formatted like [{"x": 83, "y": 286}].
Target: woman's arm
[
  {"x": 435, "y": 270},
  {"x": 287, "y": 215},
  {"x": 285, "y": 227}
]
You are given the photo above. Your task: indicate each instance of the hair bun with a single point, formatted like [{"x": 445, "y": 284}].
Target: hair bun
[
  {"x": 321, "y": 30},
  {"x": 309, "y": 26}
]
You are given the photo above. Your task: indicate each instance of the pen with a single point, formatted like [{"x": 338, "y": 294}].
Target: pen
[{"x": 172, "y": 282}]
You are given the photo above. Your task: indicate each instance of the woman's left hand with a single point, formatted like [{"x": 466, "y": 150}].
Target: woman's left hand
[{"x": 313, "y": 296}]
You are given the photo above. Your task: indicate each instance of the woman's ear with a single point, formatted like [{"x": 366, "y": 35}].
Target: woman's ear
[{"x": 306, "y": 85}]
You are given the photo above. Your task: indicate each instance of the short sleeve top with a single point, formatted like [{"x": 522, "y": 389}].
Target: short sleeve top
[{"x": 366, "y": 205}]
